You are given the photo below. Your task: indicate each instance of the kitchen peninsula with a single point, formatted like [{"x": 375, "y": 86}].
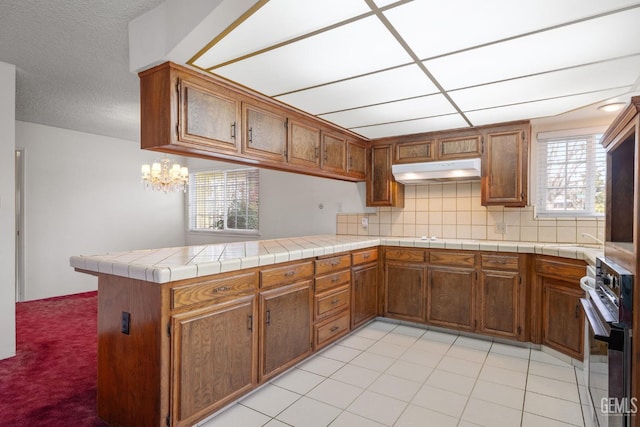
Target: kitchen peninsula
[{"x": 184, "y": 331}]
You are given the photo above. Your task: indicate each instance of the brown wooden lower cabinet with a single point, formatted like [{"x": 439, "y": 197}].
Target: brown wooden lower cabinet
[
  {"x": 555, "y": 302},
  {"x": 364, "y": 294},
  {"x": 450, "y": 297},
  {"x": 285, "y": 327},
  {"x": 562, "y": 318},
  {"x": 499, "y": 307},
  {"x": 214, "y": 354},
  {"x": 404, "y": 291}
]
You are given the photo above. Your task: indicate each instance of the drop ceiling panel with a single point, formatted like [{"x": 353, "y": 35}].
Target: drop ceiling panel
[
  {"x": 426, "y": 106},
  {"x": 599, "y": 76},
  {"x": 462, "y": 24},
  {"x": 278, "y": 21},
  {"x": 604, "y": 38},
  {"x": 398, "y": 83},
  {"x": 430, "y": 124},
  {"x": 361, "y": 47},
  {"x": 548, "y": 107}
]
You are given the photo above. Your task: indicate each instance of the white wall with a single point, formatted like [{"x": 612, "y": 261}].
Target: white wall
[
  {"x": 290, "y": 203},
  {"x": 83, "y": 196},
  {"x": 7, "y": 210}
]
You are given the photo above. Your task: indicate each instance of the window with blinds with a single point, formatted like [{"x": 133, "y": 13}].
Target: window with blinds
[
  {"x": 224, "y": 200},
  {"x": 571, "y": 176}
]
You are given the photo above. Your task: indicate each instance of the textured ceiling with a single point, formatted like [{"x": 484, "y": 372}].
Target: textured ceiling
[
  {"x": 385, "y": 67},
  {"x": 72, "y": 63}
]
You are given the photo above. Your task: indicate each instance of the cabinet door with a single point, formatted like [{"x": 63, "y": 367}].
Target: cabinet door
[
  {"x": 382, "y": 189},
  {"x": 356, "y": 159},
  {"x": 562, "y": 319},
  {"x": 450, "y": 298},
  {"x": 214, "y": 358},
  {"x": 265, "y": 133},
  {"x": 207, "y": 118},
  {"x": 499, "y": 303},
  {"x": 504, "y": 178},
  {"x": 364, "y": 295},
  {"x": 404, "y": 291},
  {"x": 459, "y": 148},
  {"x": 413, "y": 152},
  {"x": 304, "y": 145},
  {"x": 334, "y": 153},
  {"x": 285, "y": 316}
]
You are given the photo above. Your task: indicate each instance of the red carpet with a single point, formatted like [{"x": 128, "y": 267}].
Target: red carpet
[{"x": 52, "y": 379}]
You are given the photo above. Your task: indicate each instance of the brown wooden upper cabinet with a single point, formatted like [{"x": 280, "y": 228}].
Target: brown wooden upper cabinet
[
  {"x": 382, "y": 189},
  {"x": 265, "y": 133},
  {"x": 504, "y": 177},
  {"x": 304, "y": 145},
  {"x": 459, "y": 147},
  {"x": 412, "y": 152},
  {"x": 187, "y": 112},
  {"x": 207, "y": 118},
  {"x": 334, "y": 153},
  {"x": 356, "y": 159}
]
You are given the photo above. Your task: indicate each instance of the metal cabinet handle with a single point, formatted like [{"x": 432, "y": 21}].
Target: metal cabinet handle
[
  {"x": 268, "y": 322},
  {"x": 333, "y": 329},
  {"x": 335, "y": 279},
  {"x": 221, "y": 289},
  {"x": 289, "y": 273},
  {"x": 233, "y": 130},
  {"x": 250, "y": 135},
  {"x": 335, "y": 301},
  {"x": 250, "y": 322}
]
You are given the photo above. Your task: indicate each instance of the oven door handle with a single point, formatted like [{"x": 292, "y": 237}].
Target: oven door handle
[{"x": 599, "y": 331}]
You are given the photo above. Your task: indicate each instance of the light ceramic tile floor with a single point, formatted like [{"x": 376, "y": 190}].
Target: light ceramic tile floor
[{"x": 389, "y": 374}]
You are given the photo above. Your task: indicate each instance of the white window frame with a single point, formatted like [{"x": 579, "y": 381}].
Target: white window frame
[
  {"x": 538, "y": 168},
  {"x": 225, "y": 230}
]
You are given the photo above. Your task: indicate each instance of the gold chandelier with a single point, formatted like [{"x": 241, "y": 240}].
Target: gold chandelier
[{"x": 166, "y": 176}]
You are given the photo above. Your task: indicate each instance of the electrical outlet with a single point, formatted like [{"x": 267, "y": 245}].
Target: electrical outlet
[
  {"x": 365, "y": 222},
  {"x": 126, "y": 321},
  {"x": 501, "y": 228}
]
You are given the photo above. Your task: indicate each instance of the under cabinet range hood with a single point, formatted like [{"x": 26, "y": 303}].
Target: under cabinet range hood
[{"x": 445, "y": 170}]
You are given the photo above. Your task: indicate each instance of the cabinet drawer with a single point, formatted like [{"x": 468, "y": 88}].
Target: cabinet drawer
[
  {"x": 501, "y": 262},
  {"x": 457, "y": 259},
  {"x": 331, "y": 302},
  {"x": 212, "y": 290},
  {"x": 286, "y": 274},
  {"x": 336, "y": 263},
  {"x": 560, "y": 269},
  {"x": 331, "y": 329},
  {"x": 332, "y": 280},
  {"x": 362, "y": 257},
  {"x": 404, "y": 255}
]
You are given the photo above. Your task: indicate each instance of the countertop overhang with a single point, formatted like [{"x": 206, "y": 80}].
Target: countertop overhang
[{"x": 165, "y": 265}]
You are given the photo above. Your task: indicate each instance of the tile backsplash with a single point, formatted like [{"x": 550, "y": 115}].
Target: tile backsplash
[{"x": 453, "y": 211}]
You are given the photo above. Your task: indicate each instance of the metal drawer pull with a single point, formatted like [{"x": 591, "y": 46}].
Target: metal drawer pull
[
  {"x": 365, "y": 256},
  {"x": 289, "y": 273},
  {"x": 335, "y": 279},
  {"x": 334, "y": 263},
  {"x": 221, "y": 289},
  {"x": 335, "y": 301},
  {"x": 335, "y": 328}
]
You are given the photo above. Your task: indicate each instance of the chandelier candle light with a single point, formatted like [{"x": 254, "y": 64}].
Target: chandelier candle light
[{"x": 166, "y": 176}]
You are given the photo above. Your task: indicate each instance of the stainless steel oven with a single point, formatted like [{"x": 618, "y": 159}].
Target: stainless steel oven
[{"x": 607, "y": 309}]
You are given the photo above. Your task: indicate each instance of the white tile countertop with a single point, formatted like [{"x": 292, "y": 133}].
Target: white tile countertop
[{"x": 170, "y": 264}]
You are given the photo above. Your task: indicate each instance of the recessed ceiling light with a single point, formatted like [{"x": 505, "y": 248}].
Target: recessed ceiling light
[{"x": 614, "y": 106}]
